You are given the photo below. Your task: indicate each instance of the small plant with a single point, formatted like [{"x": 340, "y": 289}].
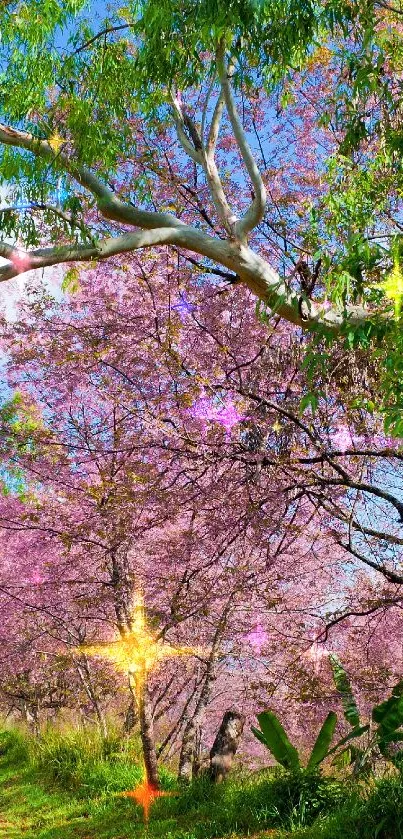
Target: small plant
[
  {"x": 272, "y": 734},
  {"x": 388, "y": 718}
]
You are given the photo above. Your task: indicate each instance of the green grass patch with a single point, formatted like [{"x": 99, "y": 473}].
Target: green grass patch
[{"x": 67, "y": 785}]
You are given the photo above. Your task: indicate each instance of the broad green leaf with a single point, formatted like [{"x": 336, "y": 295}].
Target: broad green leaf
[
  {"x": 389, "y": 714},
  {"x": 344, "y": 688},
  {"x": 323, "y": 740},
  {"x": 356, "y": 732},
  {"x": 277, "y": 741},
  {"x": 259, "y": 736}
]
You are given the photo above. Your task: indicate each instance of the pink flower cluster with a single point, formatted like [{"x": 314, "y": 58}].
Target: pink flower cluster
[{"x": 226, "y": 414}]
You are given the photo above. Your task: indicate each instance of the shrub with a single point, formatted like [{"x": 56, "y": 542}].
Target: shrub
[{"x": 14, "y": 746}]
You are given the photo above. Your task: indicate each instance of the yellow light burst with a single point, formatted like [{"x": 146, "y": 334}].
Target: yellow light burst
[
  {"x": 145, "y": 795},
  {"x": 55, "y": 141},
  {"x": 393, "y": 287},
  {"x": 138, "y": 651}
]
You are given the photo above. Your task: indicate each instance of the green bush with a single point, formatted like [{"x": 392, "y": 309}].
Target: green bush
[
  {"x": 88, "y": 764},
  {"x": 258, "y": 801},
  {"x": 371, "y": 814},
  {"x": 14, "y": 746},
  {"x": 301, "y": 797},
  {"x": 381, "y": 814}
]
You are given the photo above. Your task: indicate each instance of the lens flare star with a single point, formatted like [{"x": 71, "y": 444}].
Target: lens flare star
[
  {"x": 145, "y": 795},
  {"x": 139, "y": 651}
]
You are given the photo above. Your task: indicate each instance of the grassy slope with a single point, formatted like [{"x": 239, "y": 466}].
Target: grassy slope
[{"x": 70, "y": 789}]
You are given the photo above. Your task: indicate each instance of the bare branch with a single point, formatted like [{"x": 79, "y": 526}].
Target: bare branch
[
  {"x": 192, "y": 151},
  {"x": 37, "y": 205},
  {"x": 354, "y": 613},
  {"x": 198, "y": 154},
  {"x": 256, "y": 211},
  {"x": 22, "y": 261},
  {"x": 253, "y": 270},
  {"x": 108, "y": 203},
  {"x": 390, "y": 575},
  {"x": 215, "y": 125},
  {"x": 101, "y": 34}
]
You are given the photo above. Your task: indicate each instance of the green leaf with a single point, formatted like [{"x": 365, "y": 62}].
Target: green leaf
[
  {"x": 276, "y": 740},
  {"x": 344, "y": 688},
  {"x": 356, "y": 732},
  {"x": 309, "y": 400},
  {"x": 259, "y": 735},
  {"x": 323, "y": 740},
  {"x": 71, "y": 281},
  {"x": 389, "y": 714}
]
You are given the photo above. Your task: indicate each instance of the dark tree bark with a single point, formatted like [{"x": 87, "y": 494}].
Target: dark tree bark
[
  {"x": 225, "y": 745},
  {"x": 191, "y": 741},
  {"x": 86, "y": 681},
  {"x": 147, "y": 740},
  {"x": 131, "y": 717}
]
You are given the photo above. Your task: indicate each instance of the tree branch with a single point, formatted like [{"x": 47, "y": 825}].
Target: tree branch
[
  {"x": 205, "y": 158},
  {"x": 108, "y": 203},
  {"x": 194, "y": 152},
  {"x": 392, "y": 576},
  {"x": 253, "y": 270},
  {"x": 215, "y": 125},
  {"x": 256, "y": 211}
]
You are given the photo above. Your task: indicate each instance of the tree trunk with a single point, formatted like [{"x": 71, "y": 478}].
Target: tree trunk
[
  {"x": 30, "y": 712},
  {"x": 188, "y": 750},
  {"x": 191, "y": 742},
  {"x": 147, "y": 740},
  {"x": 85, "y": 679},
  {"x": 131, "y": 717},
  {"x": 225, "y": 744}
]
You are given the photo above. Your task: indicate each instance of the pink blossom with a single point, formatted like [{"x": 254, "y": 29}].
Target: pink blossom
[
  {"x": 341, "y": 439},
  {"x": 20, "y": 260},
  {"x": 36, "y": 578},
  {"x": 258, "y": 638},
  {"x": 227, "y": 415},
  {"x": 203, "y": 409}
]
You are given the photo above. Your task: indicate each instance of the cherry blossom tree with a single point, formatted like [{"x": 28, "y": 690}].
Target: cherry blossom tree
[
  {"x": 234, "y": 137},
  {"x": 156, "y": 446}
]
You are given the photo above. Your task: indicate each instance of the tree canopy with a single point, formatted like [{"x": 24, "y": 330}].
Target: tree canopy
[
  {"x": 117, "y": 137},
  {"x": 201, "y": 410}
]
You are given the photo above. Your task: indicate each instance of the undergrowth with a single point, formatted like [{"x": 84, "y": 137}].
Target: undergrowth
[{"x": 67, "y": 785}]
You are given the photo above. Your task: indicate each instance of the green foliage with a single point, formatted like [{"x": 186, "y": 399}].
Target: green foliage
[
  {"x": 71, "y": 280},
  {"x": 87, "y": 763},
  {"x": 245, "y": 803},
  {"x": 388, "y": 716},
  {"x": 323, "y": 741},
  {"x": 344, "y": 688},
  {"x": 21, "y": 426},
  {"x": 272, "y": 33},
  {"x": 273, "y": 736},
  {"x": 14, "y": 747},
  {"x": 307, "y": 805}
]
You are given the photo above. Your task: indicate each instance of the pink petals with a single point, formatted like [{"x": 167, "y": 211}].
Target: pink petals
[
  {"x": 20, "y": 260},
  {"x": 226, "y": 413}
]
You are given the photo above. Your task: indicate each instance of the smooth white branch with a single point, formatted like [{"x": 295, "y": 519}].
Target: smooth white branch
[
  {"x": 156, "y": 229},
  {"x": 256, "y": 211}
]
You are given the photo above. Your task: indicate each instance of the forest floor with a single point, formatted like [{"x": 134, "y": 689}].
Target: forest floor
[
  {"x": 29, "y": 810},
  {"x": 63, "y": 796}
]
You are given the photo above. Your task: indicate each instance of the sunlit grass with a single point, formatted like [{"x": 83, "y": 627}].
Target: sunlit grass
[{"x": 66, "y": 786}]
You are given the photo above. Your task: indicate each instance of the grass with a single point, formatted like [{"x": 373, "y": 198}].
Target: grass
[{"x": 66, "y": 786}]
